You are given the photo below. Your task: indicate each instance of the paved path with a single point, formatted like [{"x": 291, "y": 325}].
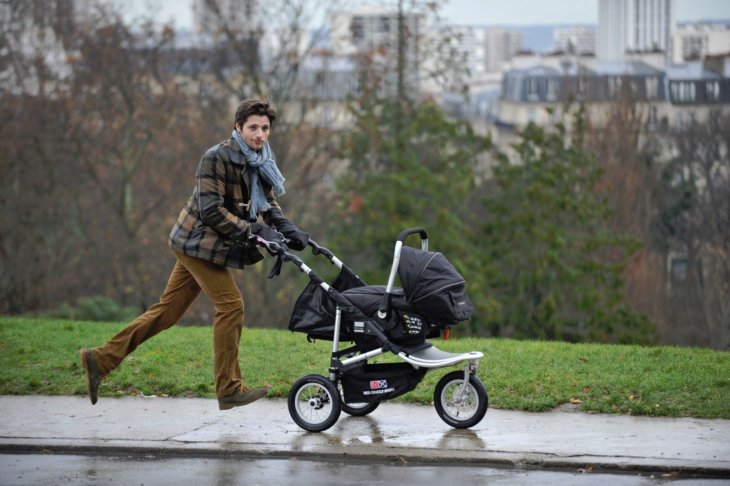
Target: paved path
[{"x": 410, "y": 433}]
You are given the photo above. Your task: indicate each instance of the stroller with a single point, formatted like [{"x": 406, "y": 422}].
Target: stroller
[{"x": 379, "y": 319}]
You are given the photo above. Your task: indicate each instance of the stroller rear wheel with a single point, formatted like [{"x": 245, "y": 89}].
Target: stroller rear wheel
[
  {"x": 459, "y": 404},
  {"x": 356, "y": 409},
  {"x": 359, "y": 409},
  {"x": 314, "y": 403}
]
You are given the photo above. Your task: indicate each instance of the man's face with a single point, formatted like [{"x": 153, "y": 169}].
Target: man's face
[{"x": 255, "y": 131}]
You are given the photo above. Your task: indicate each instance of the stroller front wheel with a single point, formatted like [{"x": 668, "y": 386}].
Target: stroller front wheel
[
  {"x": 459, "y": 404},
  {"x": 314, "y": 403}
]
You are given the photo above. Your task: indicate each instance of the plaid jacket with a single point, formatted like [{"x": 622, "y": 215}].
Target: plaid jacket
[{"x": 214, "y": 224}]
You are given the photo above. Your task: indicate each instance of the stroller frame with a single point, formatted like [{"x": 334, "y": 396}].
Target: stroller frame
[{"x": 315, "y": 402}]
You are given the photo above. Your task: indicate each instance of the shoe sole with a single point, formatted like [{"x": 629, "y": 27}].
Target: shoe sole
[{"x": 228, "y": 406}]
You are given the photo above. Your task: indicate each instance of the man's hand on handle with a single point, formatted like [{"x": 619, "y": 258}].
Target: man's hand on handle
[{"x": 271, "y": 239}]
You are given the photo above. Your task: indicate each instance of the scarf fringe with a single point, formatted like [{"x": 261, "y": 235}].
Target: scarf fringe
[{"x": 263, "y": 166}]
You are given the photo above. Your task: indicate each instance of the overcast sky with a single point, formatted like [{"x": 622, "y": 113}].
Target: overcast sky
[
  {"x": 526, "y": 12},
  {"x": 472, "y": 12}
]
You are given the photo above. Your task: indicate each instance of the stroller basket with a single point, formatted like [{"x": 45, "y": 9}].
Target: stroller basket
[{"x": 382, "y": 381}]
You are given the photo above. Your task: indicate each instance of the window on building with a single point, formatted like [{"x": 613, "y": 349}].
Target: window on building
[
  {"x": 693, "y": 47},
  {"x": 687, "y": 90},
  {"x": 712, "y": 90},
  {"x": 582, "y": 85},
  {"x": 614, "y": 85},
  {"x": 552, "y": 91},
  {"x": 357, "y": 27},
  {"x": 683, "y": 91},
  {"x": 384, "y": 24},
  {"x": 320, "y": 78},
  {"x": 533, "y": 89}
]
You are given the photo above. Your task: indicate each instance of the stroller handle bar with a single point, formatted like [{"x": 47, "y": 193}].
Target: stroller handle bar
[
  {"x": 276, "y": 249},
  {"x": 281, "y": 251},
  {"x": 320, "y": 250},
  {"x": 384, "y": 309}
]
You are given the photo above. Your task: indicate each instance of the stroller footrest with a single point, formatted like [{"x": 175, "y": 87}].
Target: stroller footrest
[{"x": 432, "y": 357}]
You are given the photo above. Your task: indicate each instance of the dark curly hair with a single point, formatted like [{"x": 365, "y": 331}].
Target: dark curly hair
[{"x": 254, "y": 106}]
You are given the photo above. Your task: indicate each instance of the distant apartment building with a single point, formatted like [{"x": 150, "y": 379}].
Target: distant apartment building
[
  {"x": 700, "y": 40},
  {"x": 672, "y": 95},
  {"x": 577, "y": 40},
  {"x": 482, "y": 51},
  {"x": 628, "y": 27},
  {"x": 371, "y": 28},
  {"x": 380, "y": 36},
  {"x": 470, "y": 44},
  {"x": 501, "y": 47}
]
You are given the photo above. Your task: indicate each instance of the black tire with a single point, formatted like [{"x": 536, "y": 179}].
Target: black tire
[
  {"x": 356, "y": 409},
  {"x": 460, "y": 412},
  {"x": 359, "y": 409},
  {"x": 314, "y": 403}
]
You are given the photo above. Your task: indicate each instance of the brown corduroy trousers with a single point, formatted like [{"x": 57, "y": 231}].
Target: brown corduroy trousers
[{"x": 188, "y": 277}]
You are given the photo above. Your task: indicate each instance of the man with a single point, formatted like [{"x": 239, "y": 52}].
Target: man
[{"x": 236, "y": 181}]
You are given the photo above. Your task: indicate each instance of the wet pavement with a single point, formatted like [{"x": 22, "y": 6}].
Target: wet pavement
[
  {"x": 55, "y": 469},
  {"x": 407, "y": 434}
]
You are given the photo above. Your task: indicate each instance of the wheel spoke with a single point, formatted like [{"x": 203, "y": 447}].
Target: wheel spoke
[
  {"x": 460, "y": 400},
  {"x": 313, "y": 403},
  {"x": 460, "y": 403}
]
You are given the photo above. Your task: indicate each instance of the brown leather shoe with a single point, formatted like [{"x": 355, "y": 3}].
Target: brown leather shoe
[
  {"x": 242, "y": 396},
  {"x": 93, "y": 374}
]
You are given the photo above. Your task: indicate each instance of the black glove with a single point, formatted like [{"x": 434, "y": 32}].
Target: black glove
[
  {"x": 298, "y": 239},
  {"x": 271, "y": 235},
  {"x": 267, "y": 233}
]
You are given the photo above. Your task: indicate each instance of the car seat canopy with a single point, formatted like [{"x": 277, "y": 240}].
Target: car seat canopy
[{"x": 433, "y": 287}]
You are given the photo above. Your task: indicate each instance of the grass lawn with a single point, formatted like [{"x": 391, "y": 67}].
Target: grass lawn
[{"x": 40, "y": 356}]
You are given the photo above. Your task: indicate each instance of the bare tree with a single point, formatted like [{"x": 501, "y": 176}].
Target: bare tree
[
  {"x": 38, "y": 175},
  {"x": 91, "y": 146},
  {"x": 668, "y": 187},
  {"x": 695, "y": 223},
  {"x": 131, "y": 126},
  {"x": 626, "y": 146}
]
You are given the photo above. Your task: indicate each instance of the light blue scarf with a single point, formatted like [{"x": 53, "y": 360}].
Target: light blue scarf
[{"x": 262, "y": 166}]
